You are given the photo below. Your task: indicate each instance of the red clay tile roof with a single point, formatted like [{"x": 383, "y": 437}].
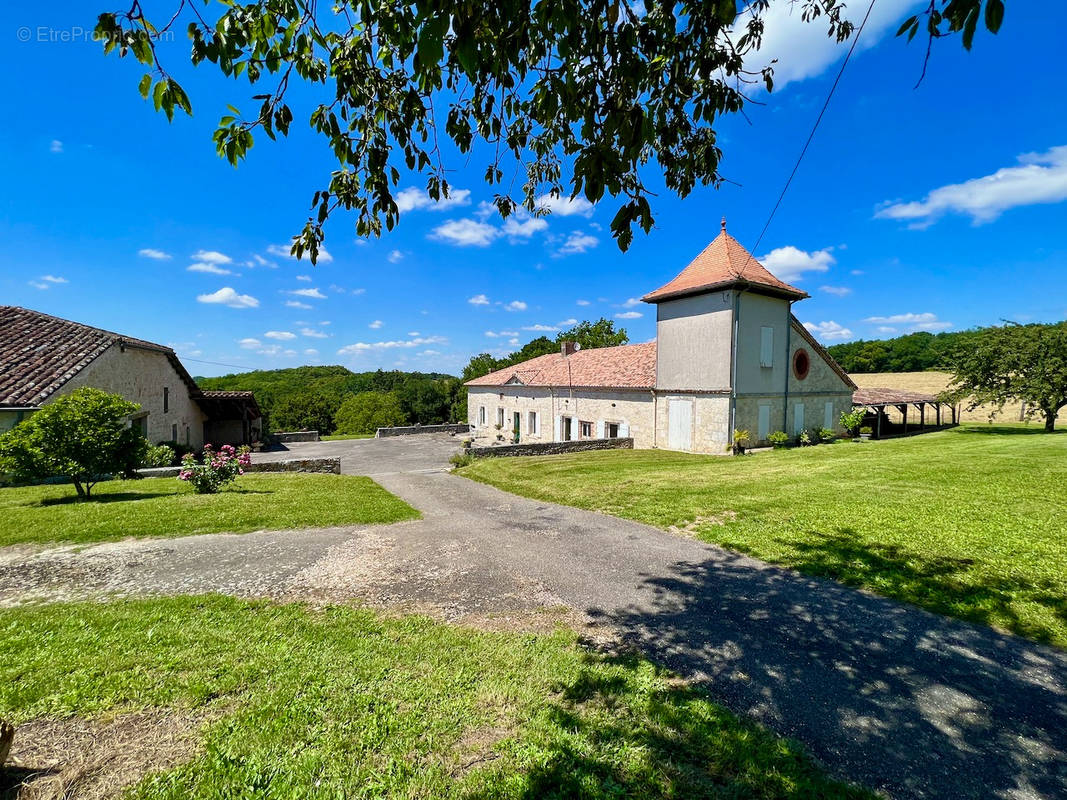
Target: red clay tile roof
[
  {"x": 39, "y": 353},
  {"x": 629, "y": 366},
  {"x": 723, "y": 263}
]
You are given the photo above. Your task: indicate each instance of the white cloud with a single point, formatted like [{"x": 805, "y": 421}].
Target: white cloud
[
  {"x": 564, "y": 206},
  {"x": 523, "y": 226},
  {"x": 790, "y": 263},
  {"x": 151, "y": 252},
  {"x": 54, "y": 279},
  {"x": 513, "y": 343},
  {"x": 359, "y": 291},
  {"x": 629, "y": 315},
  {"x": 56, "y": 146},
  {"x": 212, "y": 257},
  {"x": 886, "y": 329},
  {"x": 478, "y": 300},
  {"x": 498, "y": 334},
  {"x": 228, "y": 297},
  {"x": 568, "y": 322},
  {"x": 515, "y": 305},
  {"x": 297, "y": 304},
  {"x": 303, "y": 278},
  {"x": 283, "y": 251},
  {"x": 924, "y": 321},
  {"x": 582, "y": 302},
  {"x": 281, "y": 336},
  {"x": 250, "y": 343},
  {"x": 631, "y": 302},
  {"x": 211, "y": 269},
  {"x": 855, "y": 272},
  {"x": 1040, "y": 178},
  {"x": 430, "y": 353},
  {"x": 414, "y": 333},
  {"x": 395, "y": 257},
  {"x": 259, "y": 261},
  {"x": 840, "y": 291},
  {"x": 577, "y": 242},
  {"x": 803, "y": 49},
  {"x": 312, "y": 292},
  {"x": 465, "y": 233},
  {"x": 311, "y": 333},
  {"x": 39, "y": 285},
  {"x": 311, "y": 351},
  {"x": 418, "y": 341},
  {"x": 375, "y": 325},
  {"x": 540, "y": 328},
  {"x": 412, "y": 198},
  {"x": 828, "y": 331}
]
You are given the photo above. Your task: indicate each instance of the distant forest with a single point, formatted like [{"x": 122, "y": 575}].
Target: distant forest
[
  {"x": 915, "y": 352},
  {"x": 310, "y": 398}
]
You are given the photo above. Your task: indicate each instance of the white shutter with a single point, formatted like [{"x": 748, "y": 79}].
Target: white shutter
[
  {"x": 624, "y": 430},
  {"x": 559, "y": 430},
  {"x": 798, "y": 419},
  {"x": 766, "y": 346},
  {"x": 828, "y": 415},
  {"x": 600, "y": 429},
  {"x": 764, "y": 423}
]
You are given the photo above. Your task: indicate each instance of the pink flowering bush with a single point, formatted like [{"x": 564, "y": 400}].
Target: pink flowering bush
[{"x": 217, "y": 469}]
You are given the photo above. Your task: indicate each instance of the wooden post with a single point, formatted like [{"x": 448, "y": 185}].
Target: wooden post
[
  {"x": 937, "y": 409},
  {"x": 904, "y": 413},
  {"x": 922, "y": 416},
  {"x": 878, "y": 411}
]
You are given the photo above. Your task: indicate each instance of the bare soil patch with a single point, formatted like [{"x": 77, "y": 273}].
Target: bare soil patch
[{"x": 80, "y": 759}]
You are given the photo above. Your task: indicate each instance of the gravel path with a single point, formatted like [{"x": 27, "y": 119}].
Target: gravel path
[{"x": 906, "y": 702}]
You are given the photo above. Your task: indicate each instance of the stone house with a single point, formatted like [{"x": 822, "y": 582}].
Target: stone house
[
  {"x": 728, "y": 355},
  {"x": 43, "y": 357}
]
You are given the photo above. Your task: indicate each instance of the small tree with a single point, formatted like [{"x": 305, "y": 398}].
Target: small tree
[
  {"x": 83, "y": 436},
  {"x": 851, "y": 420},
  {"x": 1027, "y": 363},
  {"x": 367, "y": 411}
]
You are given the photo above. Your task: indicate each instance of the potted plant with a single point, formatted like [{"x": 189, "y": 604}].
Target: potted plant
[
  {"x": 741, "y": 440},
  {"x": 826, "y": 435},
  {"x": 804, "y": 439},
  {"x": 778, "y": 439},
  {"x": 865, "y": 432}
]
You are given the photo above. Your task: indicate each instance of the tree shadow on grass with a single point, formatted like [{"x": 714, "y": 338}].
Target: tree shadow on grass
[
  {"x": 942, "y": 584},
  {"x": 1036, "y": 429},
  {"x": 108, "y": 497},
  {"x": 12, "y": 779},
  {"x": 610, "y": 735}
]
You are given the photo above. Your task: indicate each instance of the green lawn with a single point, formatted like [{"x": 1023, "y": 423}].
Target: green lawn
[
  {"x": 169, "y": 507},
  {"x": 968, "y": 522},
  {"x": 339, "y": 437},
  {"x": 338, "y": 702}
]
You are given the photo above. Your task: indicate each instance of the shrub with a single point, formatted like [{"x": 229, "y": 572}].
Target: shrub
[
  {"x": 159, "y": 456},
  {"x": 851, "y": 420},
  {"x": 84, "y": 436},
  {"x": 180, "y": 450},
  {"x": 462, "y": 460},
  {"x": 866, "y": 430},
  {"x": 826, "y": 435},
  {"x": 217, "y": 470},
  {"x": 367, "y": 411},
  {"x": 779, "y": 439},
  {"x": 804, "y": 438},
  {"x": 741, "y": 439}
]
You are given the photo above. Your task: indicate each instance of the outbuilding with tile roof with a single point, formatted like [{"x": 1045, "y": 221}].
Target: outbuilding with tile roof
[
  {"x": 728, "y": 355},
  {"x": 43, "y": 357}
]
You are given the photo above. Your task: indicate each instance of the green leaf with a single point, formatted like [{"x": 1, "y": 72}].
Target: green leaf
[
  {"x": 994, "y": 15},
  {"x": 145, "y": 86}
]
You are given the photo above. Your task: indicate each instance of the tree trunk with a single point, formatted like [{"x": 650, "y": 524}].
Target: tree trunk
[
  {"x": 80, "y": 489},
  {"x": 1050, "y": 421}
]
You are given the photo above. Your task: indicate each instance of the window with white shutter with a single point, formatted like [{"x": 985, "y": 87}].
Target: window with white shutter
[{"x": 766, "y": 346}]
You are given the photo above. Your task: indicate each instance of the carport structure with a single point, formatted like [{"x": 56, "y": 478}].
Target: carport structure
[{"x": 879, "y": 402}]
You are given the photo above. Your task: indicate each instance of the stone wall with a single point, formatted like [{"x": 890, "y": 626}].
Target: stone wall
[
  {"x": 327, "y": 466},
  {"x": 295, "y": 436},
  {"x": 409, "y": 430},
  {"x": 551, "y": 448}
]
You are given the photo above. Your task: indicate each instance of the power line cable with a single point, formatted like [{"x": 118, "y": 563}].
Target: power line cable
[{"x": 815, "y": 127}]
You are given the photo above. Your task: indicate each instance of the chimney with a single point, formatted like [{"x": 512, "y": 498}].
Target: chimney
[{"x": 568, "y": 348}]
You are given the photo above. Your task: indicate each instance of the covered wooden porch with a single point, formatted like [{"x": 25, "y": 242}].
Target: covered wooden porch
[{"x": 887, "y": 412}]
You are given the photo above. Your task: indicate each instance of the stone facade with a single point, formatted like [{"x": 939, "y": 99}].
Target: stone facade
[
  {"x": 148, "y": 378},
  {"x": 410, "y": 430}
]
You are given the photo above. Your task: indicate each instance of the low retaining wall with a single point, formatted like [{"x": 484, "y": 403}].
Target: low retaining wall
[
  {"x": 295, "y": 436},
  {"x": 330, "y": 466},
  {"x": 408, "y": 430},
  {"x": 551, "y": 448}
]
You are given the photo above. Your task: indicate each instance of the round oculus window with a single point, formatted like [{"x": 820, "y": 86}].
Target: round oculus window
[{"x": 801, "y": 364}]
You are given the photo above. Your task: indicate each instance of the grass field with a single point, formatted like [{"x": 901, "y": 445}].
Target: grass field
[
  {"x": 338, "y": 702},
  {"x": 168, "y": 507},
  {"x": 932, "y": 383},
  {"x": 340, "y": 437},
  {"x": 967, "y": 522}
]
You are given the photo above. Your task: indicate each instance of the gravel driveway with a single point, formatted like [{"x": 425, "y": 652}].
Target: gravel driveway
[{"x": 906, "y": 702}]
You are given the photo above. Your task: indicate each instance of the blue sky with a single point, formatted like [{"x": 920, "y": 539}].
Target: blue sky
[{"x": 113, "y": 217}]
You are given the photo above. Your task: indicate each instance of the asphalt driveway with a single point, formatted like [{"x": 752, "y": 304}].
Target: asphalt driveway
[{"x": 905, "y": 702}]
